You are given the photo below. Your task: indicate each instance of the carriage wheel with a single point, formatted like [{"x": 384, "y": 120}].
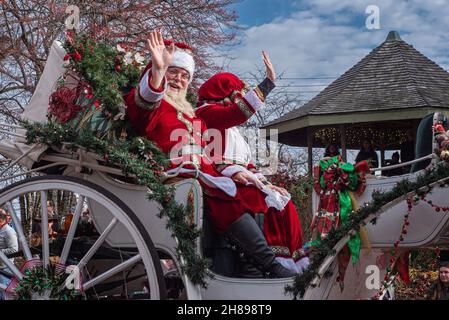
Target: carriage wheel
[{"x": 137, "y": 264}]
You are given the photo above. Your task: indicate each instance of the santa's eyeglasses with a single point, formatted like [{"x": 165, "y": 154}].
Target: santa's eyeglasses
[{"x": 174, "y": 72}]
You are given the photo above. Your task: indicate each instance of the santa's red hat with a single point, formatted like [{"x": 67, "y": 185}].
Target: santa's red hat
[
  {"x": 220, "y": 86},
  {"x": 182, "y": 57}
]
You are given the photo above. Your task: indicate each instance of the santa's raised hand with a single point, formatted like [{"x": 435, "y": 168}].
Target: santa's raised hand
[
  {"x": 161, "y": 57},
  {"x": 271, "y": 74}
]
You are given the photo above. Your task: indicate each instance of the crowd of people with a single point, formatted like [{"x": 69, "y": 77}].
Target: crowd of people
[{"x": 368, "y": 153}]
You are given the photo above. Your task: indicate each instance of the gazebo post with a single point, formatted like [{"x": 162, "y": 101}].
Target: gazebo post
[
  {"x": 382, "y": 154},
  {"x": 309, "y": 151},
  {"x": 343, "y": 141}
]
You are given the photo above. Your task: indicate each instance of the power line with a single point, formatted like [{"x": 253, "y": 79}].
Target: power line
[
  {"x": 301, "y": 85},
  {"x": 286, "y": 78},
  {"x": 295, "y": 78},
  {"x": 304, "y": 91}
]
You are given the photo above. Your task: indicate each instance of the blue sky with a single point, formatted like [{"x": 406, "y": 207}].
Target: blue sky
[
  {"x": 323, "y": 38},
  {"x": 257, "y": 12}
]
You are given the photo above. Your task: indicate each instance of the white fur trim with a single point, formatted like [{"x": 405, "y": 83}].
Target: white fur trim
[
  {"x": 287, "y": 263},
  {"x": 302, "y": 264},
  {"x": 237, "y": 149},
  {"x": 276, "y": 200},
  {"x": 259, "y": 176},
  {"x": 233, "y": 169},
  {"x": 182, "y": 59},
  {"x": 253, "y": 100},
  {"x": 273, "y": 199},
  {"x": 223, "y": 183},
  {"x": 299, "y": 266},
  {"x": 145, "y": 91}
]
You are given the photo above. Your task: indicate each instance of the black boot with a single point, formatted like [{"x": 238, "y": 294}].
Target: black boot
[
  {"x": 245, "y": 268},
  {"x": 247, "y": 236}
]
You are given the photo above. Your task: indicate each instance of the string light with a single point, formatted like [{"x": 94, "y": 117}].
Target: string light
[{"x": 356, "y": 135}]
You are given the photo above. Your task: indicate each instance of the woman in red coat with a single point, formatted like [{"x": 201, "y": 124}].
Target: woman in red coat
[{"x": 282, "y": 226}]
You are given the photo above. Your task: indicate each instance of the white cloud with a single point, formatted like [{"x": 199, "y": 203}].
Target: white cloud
[{"x": 326, "y": 37}]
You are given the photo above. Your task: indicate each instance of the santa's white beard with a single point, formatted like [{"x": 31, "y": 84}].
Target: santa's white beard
[{"x": 179, "y": 101}]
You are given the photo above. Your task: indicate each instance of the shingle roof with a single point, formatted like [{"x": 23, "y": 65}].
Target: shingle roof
[{"x": 392, "y": 76}]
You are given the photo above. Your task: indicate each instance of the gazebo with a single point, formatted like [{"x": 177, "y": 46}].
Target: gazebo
[{"x": 381, "y": 97}]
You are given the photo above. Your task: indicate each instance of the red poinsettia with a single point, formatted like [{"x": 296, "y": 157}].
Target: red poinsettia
[
  {"x": 77, "y": 55},
  {"x": 62, "y": 104}
]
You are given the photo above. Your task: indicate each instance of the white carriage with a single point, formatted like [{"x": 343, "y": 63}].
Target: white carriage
[{"x": 132, "y": 255}]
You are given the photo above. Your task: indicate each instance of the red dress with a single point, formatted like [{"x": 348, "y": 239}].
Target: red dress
[
  {"x": 225, "y": 200},
  {"x": 282, "y": 228}
]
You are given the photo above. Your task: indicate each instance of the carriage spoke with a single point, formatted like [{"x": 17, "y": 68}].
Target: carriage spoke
[
  {"x": 97, "y": 243},
  {"x": 10, "y": 265},
  {"x": 18, "y": 225},
  {"x": 72, "y": 230},
  {"x": 118, "y": 268},
  {"x": 44, "y": 229}
]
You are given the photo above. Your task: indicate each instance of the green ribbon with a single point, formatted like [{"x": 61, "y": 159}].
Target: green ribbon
[{"x": 345, "y": 201}]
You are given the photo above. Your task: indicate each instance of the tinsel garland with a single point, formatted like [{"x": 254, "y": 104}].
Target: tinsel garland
[
  {"x": 379, "y": 199},
  {"x": 146, "y": 162},
  {"x": 49, "y": 282}
]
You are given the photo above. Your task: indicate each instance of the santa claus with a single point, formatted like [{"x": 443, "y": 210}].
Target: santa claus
[{"x": 158, "y": 109}]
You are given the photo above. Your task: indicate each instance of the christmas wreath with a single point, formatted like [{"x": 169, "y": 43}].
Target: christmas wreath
[
  {"x": 90, "y": 94},
  {"x": 42, "y": 283}
]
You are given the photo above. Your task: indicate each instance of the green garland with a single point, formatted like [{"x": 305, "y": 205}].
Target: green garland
[
  {"x": 102, "y": 67},
  {"x": 146, "y": 162},
  {"x": 45, "y": 282},
  {"x": 326, "y": 247},
  {"x": 105, "y": 78}
]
